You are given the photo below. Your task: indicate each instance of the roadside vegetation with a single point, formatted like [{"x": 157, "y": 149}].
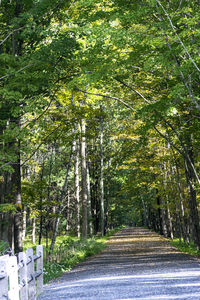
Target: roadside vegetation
[
  {"x": 69, "y": 251},
  {"x": 185, "y": 247}
]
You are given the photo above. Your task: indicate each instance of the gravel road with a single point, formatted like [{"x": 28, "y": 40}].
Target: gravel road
[{"x": 137, "y": 264}]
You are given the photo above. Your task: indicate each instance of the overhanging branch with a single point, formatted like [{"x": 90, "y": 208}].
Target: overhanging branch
[{"x": 106, "y": 96}]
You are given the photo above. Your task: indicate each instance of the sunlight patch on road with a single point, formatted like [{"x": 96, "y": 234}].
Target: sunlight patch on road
[{"x": 181, "y": 275}]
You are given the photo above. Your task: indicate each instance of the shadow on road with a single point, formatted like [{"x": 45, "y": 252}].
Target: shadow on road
[{"x": 137, "y": 264}]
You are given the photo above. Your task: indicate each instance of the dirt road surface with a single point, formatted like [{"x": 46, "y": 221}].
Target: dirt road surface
[{"x": 137, "y": 264}]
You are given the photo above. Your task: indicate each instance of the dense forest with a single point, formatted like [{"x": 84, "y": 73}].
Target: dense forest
[{"x": 99, "y": 117}]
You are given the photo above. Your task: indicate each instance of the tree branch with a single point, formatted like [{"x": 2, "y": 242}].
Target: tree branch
[
  {"x": 134, "y": 90},
  {"x": 8, "y": 75},
  {"x": 15, "y": 30},
  {"x": 174, "y": 29},
  {"x": 168, "y": 140},
  {"x": 106, "y": 96}
]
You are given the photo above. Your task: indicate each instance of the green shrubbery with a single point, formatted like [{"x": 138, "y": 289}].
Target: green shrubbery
[
  {"x": 71, "y": 255},
  {"x": 68, "y": 252},
  {"x": 185, "y": 247}
]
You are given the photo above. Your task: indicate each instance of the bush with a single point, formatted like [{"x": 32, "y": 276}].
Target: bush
[{"x": 185, "y": 247}]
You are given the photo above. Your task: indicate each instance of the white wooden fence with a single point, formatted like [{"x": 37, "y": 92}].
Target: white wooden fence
[{"x": 21, "y": 276}]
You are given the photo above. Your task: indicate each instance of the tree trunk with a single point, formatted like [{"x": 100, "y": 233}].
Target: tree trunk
[
  {"x": 33, "y": 230},
  {"x": 107, "y": 197},
  {"x": 170, "y": 225},
  {"x": 77, "y": 188},
  {"x": 41, "y": 206},
  {"x": 24, "y": 224},
  {"x": 145, "y": 214},
  {"x": 84, "y": 193},
  {"x": 164, "y": 218},
  {"x": 68, "y": 215},
  {"x": 16, "y": 175},
  {"x": 16, "y": 180},
  {"x": 102, "y": 176},
  {"x": 90, "y": 223},
  {"x": 159, "y": 212}
]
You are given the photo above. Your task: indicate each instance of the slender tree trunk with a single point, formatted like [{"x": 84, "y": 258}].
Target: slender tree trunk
[
  {"x": 159, "y": 212},
  {"x": 47, "y": 242},
  {"x": 33, "y": 230},
  {"x": 24, "y": 224},
  {"x": 67, "y": 228},
  {"x": 170, "y": 225},
  {"x": 107, "y": 197},
  {"x": 107, "y": 207},
  {"x": 145, "y": 214},
  {"x": 16, "y": 180},
  {"x": 77, "y": 188},
  {"x": 102, "y": 176},
  {"x": 164, "y": 218},
  {"x": 167, "y": 201},
  {"x": 84, "y": 192},
  {"x": 16, "y": 175},
  {"x": 90, "y": 223},
  {"x": 41, "y": 206}
]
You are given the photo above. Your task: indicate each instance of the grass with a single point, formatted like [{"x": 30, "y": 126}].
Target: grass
[
  {"x": 185, "y": 247},
  {"x": 4, "y": 247},
  {"x": 69, "y": 251}
]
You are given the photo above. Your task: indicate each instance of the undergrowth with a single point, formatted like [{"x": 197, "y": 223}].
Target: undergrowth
[
  {"x": 71, "y": 255},
  {"x": 185, "y": 247},
  {"x": 4, "y": 248},
  {"x": 69, "y": 251}
]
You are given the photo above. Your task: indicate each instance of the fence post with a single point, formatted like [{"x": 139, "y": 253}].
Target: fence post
[
  {"x": 18, "y": 280},
  {"x": 39, "y": 269},
  {"x": 23, "y": 275},
  {"x": 3, "y": 278},
  {"x": 30, "y": 274},
  {"x": 12, "y": 269}
]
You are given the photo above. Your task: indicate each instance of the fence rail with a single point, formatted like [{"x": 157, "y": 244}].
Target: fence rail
[{"x": 21, "y": 276}]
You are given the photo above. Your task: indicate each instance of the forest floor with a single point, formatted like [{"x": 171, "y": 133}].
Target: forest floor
[{"x": 137, "y": 264}]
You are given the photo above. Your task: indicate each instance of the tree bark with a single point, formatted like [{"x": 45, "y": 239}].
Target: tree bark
[
  {"x": 77, "y": 188},
  {"x": 84, "y": 192},
  {"x": 33, "y": 230},
  {"x": 24, "y": 224},
  {"x": 102, "y": 175},
  {"x": 16, "y": 175},
  {"x": 16, "y": 180},
  {"x": 90, "y": 223},
  {"x": 68, "y": 215}
]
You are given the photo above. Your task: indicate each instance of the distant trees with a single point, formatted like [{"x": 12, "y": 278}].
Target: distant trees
[{"x": 126, "y": 154}]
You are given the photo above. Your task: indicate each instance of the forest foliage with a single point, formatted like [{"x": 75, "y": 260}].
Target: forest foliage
[{"x": 99, "y": 118}]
